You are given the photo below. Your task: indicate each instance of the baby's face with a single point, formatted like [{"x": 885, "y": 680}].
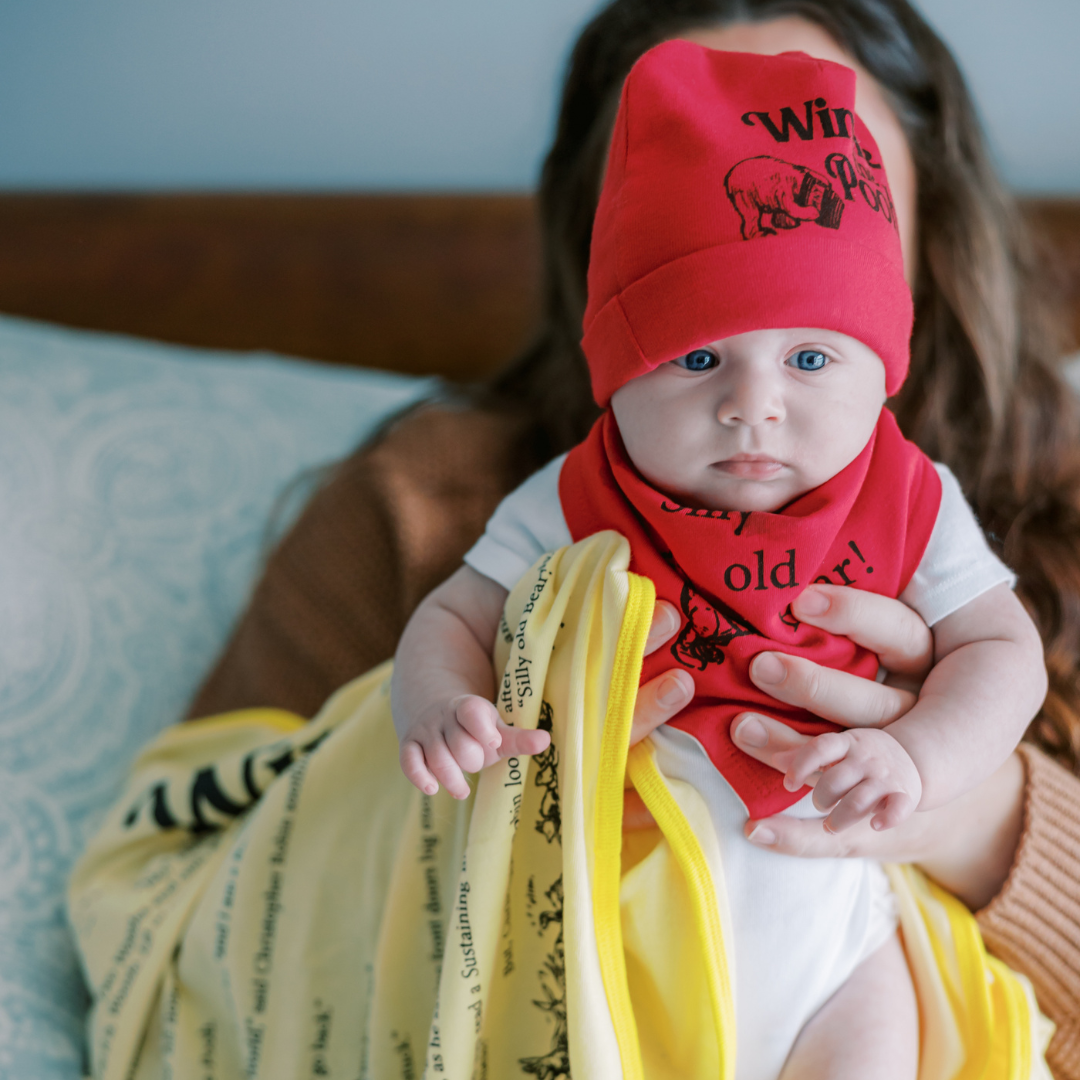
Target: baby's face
[{"x": 753, "y": 421}]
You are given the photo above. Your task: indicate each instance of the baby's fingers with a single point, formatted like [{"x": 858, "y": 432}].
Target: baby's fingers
[
  {"x": 897, "y": 807},
  {"x": 817, "y": 754},
  {"x": 480, "y": 719},
  {"x": 522, "y": 742},
  {"x": 414, "y": 768},
  {"x": 446, "y": 770},
  {"x": 861, "y": 801},
  {"x": 470, "y": 755},
  {"x": 836, "y": 782}
]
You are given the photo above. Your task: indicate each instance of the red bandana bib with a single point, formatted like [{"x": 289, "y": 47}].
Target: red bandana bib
[{"x": 733, "y": 575}]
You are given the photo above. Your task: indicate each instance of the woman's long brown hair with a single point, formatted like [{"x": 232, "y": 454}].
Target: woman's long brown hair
[{"x": 983, "y": 395}]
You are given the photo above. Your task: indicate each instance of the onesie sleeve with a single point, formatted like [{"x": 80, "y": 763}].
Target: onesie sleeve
[
  {"x": 958, "y": 564},
  {"x": 527, "y": 523}
]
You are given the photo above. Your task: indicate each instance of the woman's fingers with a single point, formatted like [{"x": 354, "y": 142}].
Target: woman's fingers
[
  {"x": 833, "y": 695},
  {"x": 767, "y": 740},
  {"x": 665, "y": 624},
  {"x": 659, "y": 700},
  {"x": 808, "y": 839},
  {"x": 885, "y": 626},
  {"x": 868, "y": 822},
  {"x": 967, "y": 845}
]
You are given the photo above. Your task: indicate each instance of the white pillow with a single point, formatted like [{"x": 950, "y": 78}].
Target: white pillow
[{"x": 137, "y": 481}]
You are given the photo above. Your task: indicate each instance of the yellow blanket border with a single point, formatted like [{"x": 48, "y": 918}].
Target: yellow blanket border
[
  {"x": 617, "y": 759},
  {"x": 625, "y": 677}
]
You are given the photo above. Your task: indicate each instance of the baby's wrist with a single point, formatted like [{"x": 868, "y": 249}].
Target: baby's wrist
[{"x": 915, "y": 749}]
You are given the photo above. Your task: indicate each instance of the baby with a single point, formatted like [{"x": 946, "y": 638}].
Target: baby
[{"x": 747, "y": 317}]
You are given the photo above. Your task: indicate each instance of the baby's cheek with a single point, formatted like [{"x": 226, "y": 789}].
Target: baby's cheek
[{"x": 832, "y": 438}]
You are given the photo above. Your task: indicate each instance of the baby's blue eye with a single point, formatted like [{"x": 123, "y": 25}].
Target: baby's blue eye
[
  {"x": 810, "y": 360},
  {"x": 697, "y": 360}
]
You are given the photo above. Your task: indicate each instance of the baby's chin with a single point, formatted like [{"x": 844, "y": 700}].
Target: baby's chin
[{"x": 746, "y": 496}]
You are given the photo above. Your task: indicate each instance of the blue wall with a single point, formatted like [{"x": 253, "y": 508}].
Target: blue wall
[{"x": 375, "y": 94}]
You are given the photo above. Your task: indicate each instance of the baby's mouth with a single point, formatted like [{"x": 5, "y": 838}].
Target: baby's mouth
[{"x": 750, "y": 466}]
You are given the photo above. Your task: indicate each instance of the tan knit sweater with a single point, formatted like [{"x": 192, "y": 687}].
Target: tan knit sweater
[{"x": 394, "y": 520}]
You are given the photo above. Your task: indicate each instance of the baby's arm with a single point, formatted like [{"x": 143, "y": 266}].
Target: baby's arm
[
  {"x": 987, "y": 683},
  {"x": 443, "y": 685}
]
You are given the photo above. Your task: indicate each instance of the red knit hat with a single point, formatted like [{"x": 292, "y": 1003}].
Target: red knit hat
[{"x": 742, "y": 193}]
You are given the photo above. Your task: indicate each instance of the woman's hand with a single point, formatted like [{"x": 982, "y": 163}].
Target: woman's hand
[
  {"x": 891, "y": 629},
  {"x": 657, "y": 702},
  {"x": 661, "y": 698},
  {"x": 902, "y": 641},
  {"x": 967, "y": 845}
]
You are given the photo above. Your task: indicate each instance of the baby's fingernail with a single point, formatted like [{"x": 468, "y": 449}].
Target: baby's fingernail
[
  {"x": 430, "y": 789},
  {"x": 671, "y": 691},
  {"x": 877, "y": 824},
  {"x": 813, "y": 602},
  {"x": 762, "y": 835},
  {"x": 751, "y": 732},
  {"x": 768, "y": 668},
  {"x": 791, "y": 784}
]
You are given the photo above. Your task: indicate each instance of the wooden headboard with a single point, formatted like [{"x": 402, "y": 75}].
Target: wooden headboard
[{"x": 418, "y": 283}]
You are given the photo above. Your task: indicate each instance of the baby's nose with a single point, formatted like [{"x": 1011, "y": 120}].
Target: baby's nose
[{"x": 751, "y": 400}]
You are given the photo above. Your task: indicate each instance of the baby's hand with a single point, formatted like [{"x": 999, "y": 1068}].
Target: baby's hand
[
  {"x": 862, "y": 771},
  {"x": 464, "y": 734}
]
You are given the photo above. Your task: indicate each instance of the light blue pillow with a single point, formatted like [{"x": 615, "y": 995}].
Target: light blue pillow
[{"x": 137, "y": 482}]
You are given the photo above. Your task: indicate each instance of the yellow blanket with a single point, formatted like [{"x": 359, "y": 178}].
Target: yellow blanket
[{"x": 272, "y": 898}]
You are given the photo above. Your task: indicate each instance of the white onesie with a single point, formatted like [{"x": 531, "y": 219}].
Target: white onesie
[{"x": 801, "y": 926}]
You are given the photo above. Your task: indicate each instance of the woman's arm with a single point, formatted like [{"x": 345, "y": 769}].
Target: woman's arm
[
  {"x": 987, "y": 684},
  {"x": 967, "y": 844}
]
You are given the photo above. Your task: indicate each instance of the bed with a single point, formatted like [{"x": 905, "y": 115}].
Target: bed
[{"x": 422, "y": 284}]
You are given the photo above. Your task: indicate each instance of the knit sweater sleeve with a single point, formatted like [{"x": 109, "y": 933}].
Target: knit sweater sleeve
[{"x": 1033, "y": 924}]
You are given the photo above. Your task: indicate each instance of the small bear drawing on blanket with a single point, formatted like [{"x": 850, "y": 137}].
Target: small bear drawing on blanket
[{"x": 772, "y": 194}]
